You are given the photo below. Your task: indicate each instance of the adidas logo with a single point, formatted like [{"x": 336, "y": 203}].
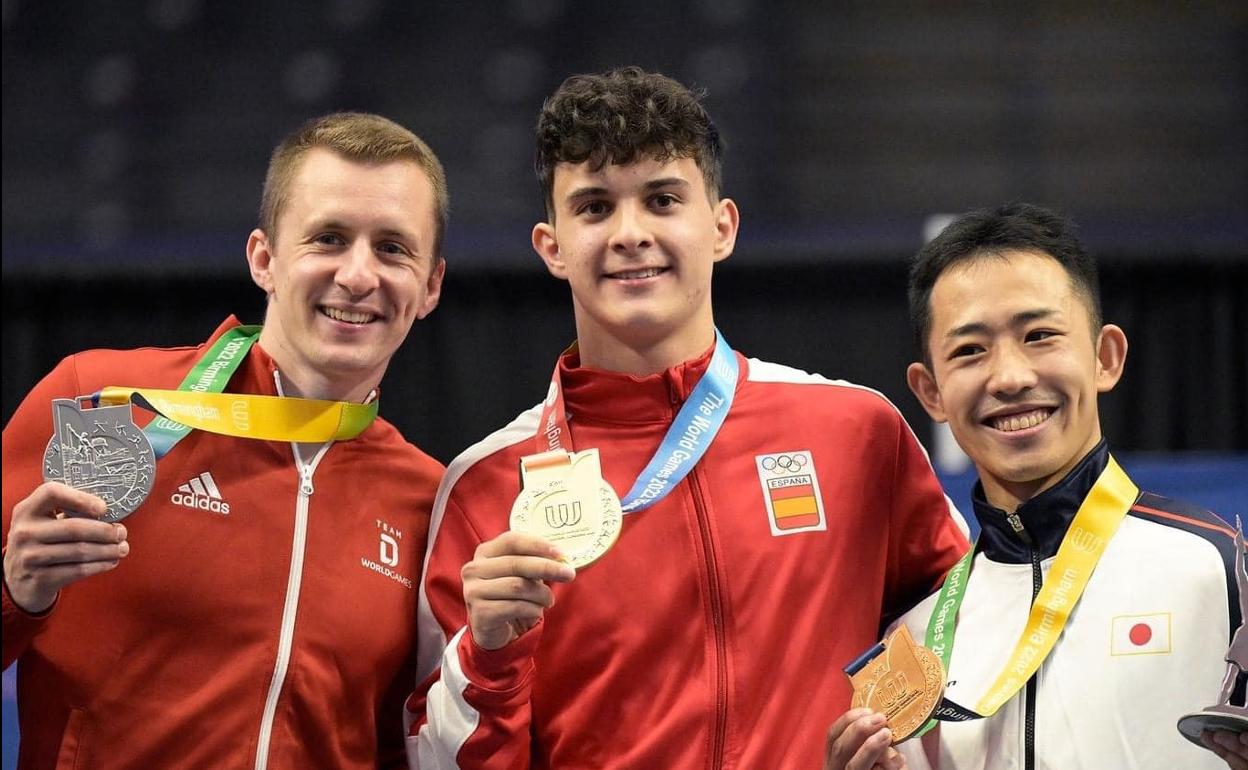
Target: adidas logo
[{"x": 201, "y": 493}]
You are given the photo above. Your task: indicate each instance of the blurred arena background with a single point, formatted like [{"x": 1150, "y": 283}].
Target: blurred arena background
[{"x": 136, "y": 134}]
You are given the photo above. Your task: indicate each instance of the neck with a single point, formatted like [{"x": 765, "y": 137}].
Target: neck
[
  {"x": 1008, "y": 495},
  {"x": 306, "y": 385},
  {"x": 302, "y": 381},
  {"x": 640, "y": 359},
  {"x": 638, "y": 353}
]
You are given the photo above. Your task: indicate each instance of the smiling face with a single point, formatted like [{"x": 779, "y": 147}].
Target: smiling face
[
  {"x": 1015, "y": 370},
  {"x": 637, "y": 243},
  {"x": 347, "y": 273}
]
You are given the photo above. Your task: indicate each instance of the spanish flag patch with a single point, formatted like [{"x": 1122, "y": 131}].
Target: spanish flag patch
[{"x": 791, "y": 492}]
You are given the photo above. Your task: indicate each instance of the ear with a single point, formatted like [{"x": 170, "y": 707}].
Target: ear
[
  {"x": 260, "y": 259},
  {"x": 727, "y": 220},
  {"x": 547, "y": 247},
  {"x": 433, "y": 288},
  {"x": 923, "y": 384},
  {"x": 1111, "y": 357}
]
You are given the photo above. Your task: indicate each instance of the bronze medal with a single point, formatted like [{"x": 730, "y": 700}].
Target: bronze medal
[
  {"x": 565, "y": 501},
  {"x": 901, "y": 679}
]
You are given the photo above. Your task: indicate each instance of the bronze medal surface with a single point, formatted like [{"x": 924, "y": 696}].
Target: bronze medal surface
[{"x": 904, "y": 682}]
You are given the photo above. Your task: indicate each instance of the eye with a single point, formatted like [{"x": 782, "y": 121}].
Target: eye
[
  {"x": 594, "y": 208},
  {"x": 393, "y": 249},
  {"x": 965, "y": 351},
  {"x": 329, "y": 239},
  {"x": 664, "y": 201},
  {"x": 1039, "y": 335}
]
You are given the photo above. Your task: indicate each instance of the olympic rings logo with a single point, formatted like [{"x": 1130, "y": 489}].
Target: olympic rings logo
[{"x": 785, "y": 463}]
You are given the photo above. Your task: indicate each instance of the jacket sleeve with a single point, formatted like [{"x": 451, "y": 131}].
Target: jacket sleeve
[
  {"x": 471, "y": 708},
  {"x": 25, "y": 437},
  {"x": 927, "y": 532}
]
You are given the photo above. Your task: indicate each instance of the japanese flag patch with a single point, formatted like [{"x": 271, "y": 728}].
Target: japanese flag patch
[
  {"x": 791, "y": 492},
  {"x": 1140, "y": 634}
]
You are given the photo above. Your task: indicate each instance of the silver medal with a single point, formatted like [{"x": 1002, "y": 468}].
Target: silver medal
[{"x": 100, "y": 451}]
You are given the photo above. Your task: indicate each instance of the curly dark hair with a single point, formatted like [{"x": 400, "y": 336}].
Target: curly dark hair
[
  {"x": 992, "y": 233},
  {"x": 619, "y": 115}
]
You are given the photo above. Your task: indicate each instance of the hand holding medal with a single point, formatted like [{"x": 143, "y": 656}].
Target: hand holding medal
[{"x": 901, "y": 679}]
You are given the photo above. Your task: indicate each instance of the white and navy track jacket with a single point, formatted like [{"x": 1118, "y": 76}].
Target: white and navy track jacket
[{"x": 1144, "y": 645}]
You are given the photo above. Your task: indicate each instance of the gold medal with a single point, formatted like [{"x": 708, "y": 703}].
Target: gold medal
[
  {"x": 565, "y": 500},
  {"x": 902, "y": 680}
]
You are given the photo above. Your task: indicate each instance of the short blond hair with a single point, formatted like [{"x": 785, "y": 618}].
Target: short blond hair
[{"x": 357, "y": 136}]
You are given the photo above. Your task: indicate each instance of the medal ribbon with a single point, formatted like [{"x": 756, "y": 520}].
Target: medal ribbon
[
  {"x": 688, "y": 438},
  {"x": 200, "y": 403},
  {"x": 268, "y": 418},
  {"x": 1094, "y": 524},
  {"x": 209, "y": 375}
]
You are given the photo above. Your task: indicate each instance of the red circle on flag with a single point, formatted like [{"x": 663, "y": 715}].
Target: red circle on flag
[{"x": 1140, "y": 634}]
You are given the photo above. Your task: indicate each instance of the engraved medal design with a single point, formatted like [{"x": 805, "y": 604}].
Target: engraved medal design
[
  {"x": 100, "y": 451},
  {"x": 901, "y": 679},
  {"x": 566, "y": 501}
]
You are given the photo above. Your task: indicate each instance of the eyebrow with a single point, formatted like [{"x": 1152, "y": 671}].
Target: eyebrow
[
  {"x": 1018, "y": 319},
  {"x": 590, "y": 191}
]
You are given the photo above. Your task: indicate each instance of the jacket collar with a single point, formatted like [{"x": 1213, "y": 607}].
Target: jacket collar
[
  {"x": 1045, "y": 517},
  {"x": 599, "y": 395}
]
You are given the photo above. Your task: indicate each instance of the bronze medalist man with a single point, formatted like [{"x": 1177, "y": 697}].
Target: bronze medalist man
[{"x": 1093, "y": 616}]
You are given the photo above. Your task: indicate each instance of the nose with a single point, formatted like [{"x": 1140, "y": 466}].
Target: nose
[
  {"x": 631, "y": 232},
  {"x": 1012, "y": 371},
  {"x": 357, "y": 272}
]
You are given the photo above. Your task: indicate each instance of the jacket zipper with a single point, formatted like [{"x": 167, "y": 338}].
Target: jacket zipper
[
  {"x": 1029, "y": 712},
  {"x": 293, "y": 582},
  {"x": 717, "y": 624}
]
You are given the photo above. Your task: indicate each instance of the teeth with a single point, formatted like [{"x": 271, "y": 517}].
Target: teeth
[
  {"x": 626, "y": 275},
  {"x": 1020, "y": 421},
  {"x": 347, "y": 316}
]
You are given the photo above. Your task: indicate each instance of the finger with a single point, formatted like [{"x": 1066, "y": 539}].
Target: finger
[
  {"x": 52, "y": 496},
  {"x": 1229, "y": 746},
  {"x": 510, "y": 589},
  {"x": 79, "y": 531},
  {"x": 848, "y": 734},
  {"x": 518, "y": 544},
  {"x": 530, "y": 567},
  {"x": 873, "y": 750},
  {"x": 497, "y": 613},
  {"x": 893, "y": 760},
  {"x": 61, "y": 575},
  {"x": 73, "y": 553},
  {"x": 841, "y": 724}
]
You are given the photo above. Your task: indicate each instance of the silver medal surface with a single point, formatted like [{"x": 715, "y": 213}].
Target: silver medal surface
[{"x": 100, "y": 451}]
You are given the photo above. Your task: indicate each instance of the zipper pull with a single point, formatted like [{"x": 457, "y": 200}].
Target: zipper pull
[
  {"x": 305, "y": 480},
  {"x": 1016, "y": 524}
]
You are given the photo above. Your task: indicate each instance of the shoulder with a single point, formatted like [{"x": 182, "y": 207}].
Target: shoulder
[
  {"x": 1180, "y": 516},
  {"x": 1203, "y": 535},
  {"x": 823, "y": 391},
  {"x": 151, "y": 364},
  {"x": 385, "y": 438},
  {"x": 497, "y": 449}
]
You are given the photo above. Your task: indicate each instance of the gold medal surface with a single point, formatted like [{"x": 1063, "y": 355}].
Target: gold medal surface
[
  {"x": 565, "y": 501},
  {"x": 904, "y": 682}
]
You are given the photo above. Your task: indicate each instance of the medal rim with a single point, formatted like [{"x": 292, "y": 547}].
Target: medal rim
[
  {"x": 584, "y": 557},
  {"x": 911, "y": 719},
  {"x": 115, "y": 511},
  {"x": 1209, "y": 719}
]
